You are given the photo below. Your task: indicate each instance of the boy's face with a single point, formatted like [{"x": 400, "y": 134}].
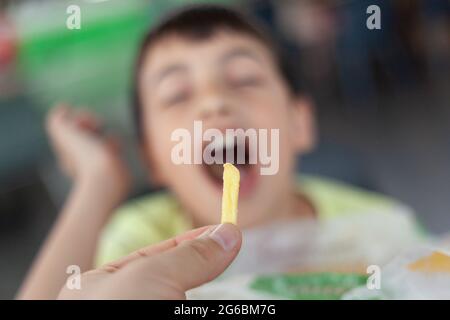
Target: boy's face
[{"x": 229, "y": 80}]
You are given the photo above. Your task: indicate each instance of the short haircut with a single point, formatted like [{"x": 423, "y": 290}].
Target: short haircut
[{"x": 198, "y": 23}]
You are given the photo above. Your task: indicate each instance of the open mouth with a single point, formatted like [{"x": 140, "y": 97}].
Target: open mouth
[{"x": 239, "y": 154}]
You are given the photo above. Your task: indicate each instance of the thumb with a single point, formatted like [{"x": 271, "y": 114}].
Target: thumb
[{"x": 197, "y": 261}]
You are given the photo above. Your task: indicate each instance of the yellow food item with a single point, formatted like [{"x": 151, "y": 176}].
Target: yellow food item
[
  {"x": 436, "y": 262},
  {"x": 230, "y": 194}
]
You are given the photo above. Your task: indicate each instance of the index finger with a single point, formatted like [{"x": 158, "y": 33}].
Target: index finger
[{"x": 157, "y": 248}]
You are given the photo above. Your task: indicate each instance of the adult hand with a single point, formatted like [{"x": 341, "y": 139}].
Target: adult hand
[{"x": 163, "y": 271}]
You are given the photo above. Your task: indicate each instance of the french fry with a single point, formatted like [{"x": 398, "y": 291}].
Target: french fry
[{"x": 230, "y": 194}]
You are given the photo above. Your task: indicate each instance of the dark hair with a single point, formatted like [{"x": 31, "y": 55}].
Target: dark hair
[{"x": 199, "y": 22}]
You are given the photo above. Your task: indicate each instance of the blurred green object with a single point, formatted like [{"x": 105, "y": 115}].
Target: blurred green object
[
  {"x": 309, "y": 286},
  {"x": 91, "y": 66},
  {"x": 87, "y": 67}
]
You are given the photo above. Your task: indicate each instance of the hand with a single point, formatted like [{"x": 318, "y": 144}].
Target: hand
[
  {"x": 165, "y": 270},
  {"x": 84, "y": 153}
]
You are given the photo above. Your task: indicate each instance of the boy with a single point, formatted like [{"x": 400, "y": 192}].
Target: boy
[{"x": 209, "y": 64}]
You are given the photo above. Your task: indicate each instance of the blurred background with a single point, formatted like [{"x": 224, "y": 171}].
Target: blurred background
[{"x": 382, "y": 99}]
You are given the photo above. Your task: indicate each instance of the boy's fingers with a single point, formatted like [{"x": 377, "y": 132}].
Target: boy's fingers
[
  {"x": 55, "y": 115},
  {"x": 113, "y": 143},
  {"x": 158, "y": 248},
  {"x": 87, "y": 120},
  {"x": 197, "y": 261}
]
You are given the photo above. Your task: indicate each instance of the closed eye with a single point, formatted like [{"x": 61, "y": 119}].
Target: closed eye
[
  {"x": 177, "y": 98},
  {"x": 246, "y": 81}
]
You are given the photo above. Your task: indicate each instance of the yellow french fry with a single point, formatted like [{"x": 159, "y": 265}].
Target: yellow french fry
[{"x": 230, "y": 194}]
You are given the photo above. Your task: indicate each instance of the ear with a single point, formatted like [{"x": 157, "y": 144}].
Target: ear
[
  {"x": 147, "y": 158},
  {"x": 303, "y": 121}
]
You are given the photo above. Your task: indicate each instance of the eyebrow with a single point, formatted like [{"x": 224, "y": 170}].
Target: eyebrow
[
  {"x": 239, "y": 52},
  {"x": 171, "y": 69}
]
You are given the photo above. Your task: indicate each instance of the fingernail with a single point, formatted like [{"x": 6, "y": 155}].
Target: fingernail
[
  {"x": 205, "y": 233},
  {"x": 226, "y": 235}
]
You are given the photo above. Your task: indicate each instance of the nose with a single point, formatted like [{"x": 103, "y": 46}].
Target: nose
[{"x": 214, "y": 105}]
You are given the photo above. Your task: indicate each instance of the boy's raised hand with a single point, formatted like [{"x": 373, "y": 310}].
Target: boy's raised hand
[
  {"x": 85, "y": 154},
  {"x": 101, "y": 183},
  {"x": 163, "y": 271}
]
